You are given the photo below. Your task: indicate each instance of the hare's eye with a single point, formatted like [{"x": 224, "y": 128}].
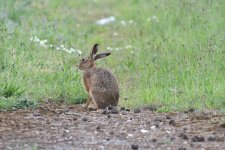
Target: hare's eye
[{"x": 83, "y": 59}]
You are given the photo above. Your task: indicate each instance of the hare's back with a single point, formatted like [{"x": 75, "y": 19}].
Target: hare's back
[
  {"x": 104, "y": 88},
  {"x": 104, "y": 79}
]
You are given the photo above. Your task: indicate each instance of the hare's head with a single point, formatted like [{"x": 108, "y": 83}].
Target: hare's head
[{"x": 89, "y": 62}]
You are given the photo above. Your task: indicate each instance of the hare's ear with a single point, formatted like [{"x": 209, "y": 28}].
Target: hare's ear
[
  {"x": 101, "y": 55},
  {"x": 94, "y": 50}
]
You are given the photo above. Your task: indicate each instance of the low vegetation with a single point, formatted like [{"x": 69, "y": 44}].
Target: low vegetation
[{"x": 169, "y": 54}]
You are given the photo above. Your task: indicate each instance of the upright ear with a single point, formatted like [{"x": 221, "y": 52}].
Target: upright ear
[
  {"x": 94, "y": 50},
  {"x": 101, "y": 55}
]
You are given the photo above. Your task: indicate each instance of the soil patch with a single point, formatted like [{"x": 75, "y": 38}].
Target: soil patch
[{"x": 57, "y": 126}]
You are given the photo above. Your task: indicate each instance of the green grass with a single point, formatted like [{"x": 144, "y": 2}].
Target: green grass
[{"x": 175, "y": 59}]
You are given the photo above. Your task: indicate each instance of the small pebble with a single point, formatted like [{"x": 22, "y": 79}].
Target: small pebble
[
  {"x": 134, "y": 146},
  {"x": 105, "y": 111},
  {"x": 156, "y": 125},
  {"x": 172, "y": 138},
  {"x": 144, "y": 131},
  {"x": 98, "y": 127},
  {"x": 124, "y": 113},
  {"x": 211, "y": 138},
  {"x": 148, "y": 122},
  {"x": 183, "y": 136},
  {"x": 108, "y": 116},
  {"x": 64, "y": 134},
  {"x": 168, "y": 117},
  {"x": 114, "y": 111},
  {"x": 171, "y": 121},
  {"x": 122, "y": 108},
  {"x": 182, "y": 148},
  {"x": 157, "y": 120},
  {"x": 36, "y": 114},
  {"x": 111, "y": 132},
  {"x": 152, "y": 127},
  {"x": 189, "y": 111},
  {"x": 110, "y": 107},
  {"x": 137, "y": 110},
  {"x": 92, "y": 109},
  {"x": 223, "y": 125},
  {"x": 198, "y": 139},
  {"x": 151, "y": 108},
  {"x": 154, "y": 140},
  {"x": 184, "y": 129},
  {"x": 192, "y": 144},
  {"x": 84, "y": 119}
]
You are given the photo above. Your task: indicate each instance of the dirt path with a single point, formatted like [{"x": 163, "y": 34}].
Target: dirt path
[{"x": 59, "y": 127}]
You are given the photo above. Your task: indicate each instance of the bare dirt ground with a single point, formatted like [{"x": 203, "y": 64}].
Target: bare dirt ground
[{"x": 56, "y": 126}]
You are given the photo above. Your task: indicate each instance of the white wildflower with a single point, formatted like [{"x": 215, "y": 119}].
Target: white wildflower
[
  {"x": 79, "y": 52},
  {"x": 43, "y": 43},
  {"x": 57, "y": 48},
  {"x": 36, "y": 39},
  {"x": 115, "y": 33},
  {"x": 144, "y": 131},
  {"x": 123, "y": 23},
  {"x": 153, "y": 18},
  {"x": 128, "y": 46},
  {"x": 32, "y": 39},
  {"x": 66, "y": 50},
  {"x": 109, "y": 48},
  {"x": 131, "y": 21},
  {"x": 62, "y": 46},
  {"x": 72, "y": 50},
  {"x": 78, "y": 25},
  {"x": 106, "y": 20},
  {"x": 117, "y": 49}
]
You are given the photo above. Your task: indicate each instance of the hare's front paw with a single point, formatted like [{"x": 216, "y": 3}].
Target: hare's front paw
[
  {"x": 92, "y": 107},
  {"x": 85, "y": 106},
  {"x": 101, "y": 111}
]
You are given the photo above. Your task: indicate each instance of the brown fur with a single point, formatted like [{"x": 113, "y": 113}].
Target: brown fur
[{"x": 100, "y": 83}]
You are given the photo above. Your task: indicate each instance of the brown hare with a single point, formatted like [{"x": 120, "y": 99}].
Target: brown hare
[{"x": 100, "y": 83}]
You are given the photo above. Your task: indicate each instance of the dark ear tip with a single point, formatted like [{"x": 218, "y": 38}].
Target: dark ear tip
[
  {"x": 108, "y": 54},
  {"x": 95, "y": 45}
]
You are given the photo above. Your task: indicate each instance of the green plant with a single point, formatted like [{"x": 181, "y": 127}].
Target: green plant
[{"x": 11, "y": 89}]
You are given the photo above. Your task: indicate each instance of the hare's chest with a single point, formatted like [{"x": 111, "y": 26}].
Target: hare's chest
[{"x": 87, "y": 81}]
